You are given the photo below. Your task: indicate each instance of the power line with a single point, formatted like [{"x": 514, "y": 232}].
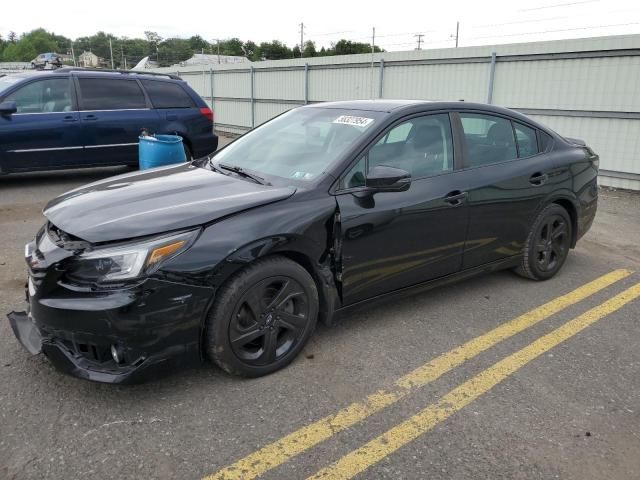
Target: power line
[
  {"x": 558, "y": 5},
  {"x": 555, "y": 31}
]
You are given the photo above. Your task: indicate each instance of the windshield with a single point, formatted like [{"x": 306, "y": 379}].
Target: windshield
[
  {"x": 6, "y": 81},
  {"x": 300, "y": 144}
]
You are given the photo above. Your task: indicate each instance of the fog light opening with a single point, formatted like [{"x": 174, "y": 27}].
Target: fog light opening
[{"x": 117, "y": 354}]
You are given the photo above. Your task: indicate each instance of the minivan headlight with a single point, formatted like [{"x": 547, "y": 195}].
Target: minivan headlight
[{"x": 128, "y": 261}]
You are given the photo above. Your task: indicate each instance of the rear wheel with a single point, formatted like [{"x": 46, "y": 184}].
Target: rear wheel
[
  {"x": 262, "y": 318},
  {"x": 547, "y": 245},
  {"x": 187, "y": 152}
]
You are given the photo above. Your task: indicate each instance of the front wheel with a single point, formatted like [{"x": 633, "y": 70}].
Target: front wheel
[
  {"x": 547, "y": 245},
  {"x": 262, "y": 318}
]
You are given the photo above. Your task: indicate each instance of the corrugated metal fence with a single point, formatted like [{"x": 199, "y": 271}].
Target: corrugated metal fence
[{"x": 585, "y": 88}]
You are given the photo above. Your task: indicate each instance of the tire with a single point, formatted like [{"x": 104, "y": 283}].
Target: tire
[
  {"x": 547, "y": 244},
  {"x": 262, "y": 318},
  {"x": 187, "y": 152}
]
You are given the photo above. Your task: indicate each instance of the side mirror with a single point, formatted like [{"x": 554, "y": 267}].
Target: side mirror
[
  {"x": 388, "y": 179},
  {"x": 7, "y": 108}
]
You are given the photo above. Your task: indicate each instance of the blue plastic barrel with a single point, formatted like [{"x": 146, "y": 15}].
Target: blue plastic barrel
[{"x": 159, "y": 150}]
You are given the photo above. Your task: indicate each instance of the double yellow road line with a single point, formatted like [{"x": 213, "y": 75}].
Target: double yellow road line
[{"x": 278, "y": 452}]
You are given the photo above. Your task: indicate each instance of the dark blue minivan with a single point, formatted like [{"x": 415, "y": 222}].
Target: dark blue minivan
[{"x": 74, "y": 118}]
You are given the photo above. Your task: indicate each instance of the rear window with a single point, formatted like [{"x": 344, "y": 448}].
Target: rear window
[
  {"x": 167, "y": 95},
  {"x": 110, "y": 94}
]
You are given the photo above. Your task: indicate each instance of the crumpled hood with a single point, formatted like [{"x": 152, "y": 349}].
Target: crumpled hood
[{"x": 155, "y": 201}]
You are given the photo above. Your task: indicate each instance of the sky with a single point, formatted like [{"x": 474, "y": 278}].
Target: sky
[{"x": 396, "y": 22}]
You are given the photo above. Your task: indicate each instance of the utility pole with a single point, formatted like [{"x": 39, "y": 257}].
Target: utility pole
[
  {"x": 457, "y": 33},
  {"x": 218, "y": 43},
  {"x": 73, "y": 55},
  {"x": 123, "y": 62},
  {"x": 301, "y": 38},
  {"x": 419, "y": 35},
  {"x": 373, "y": 48},
  {"x": 111, "y": 50}
]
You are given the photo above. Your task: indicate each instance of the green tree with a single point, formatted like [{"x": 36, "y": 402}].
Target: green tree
[
  {"x": 13, "y": 38},
  {"x": 309, "y": 49},
  {"x": 251, "y": 50},
  {"x": 295, "y": 52},
  {"x": 197, "y": 44},
  {"x": 274, "y": 50},
  {"x": 233, "y": 46},
  {"x": 173, "y": 51},
  {"x": 348, "y": 47}
]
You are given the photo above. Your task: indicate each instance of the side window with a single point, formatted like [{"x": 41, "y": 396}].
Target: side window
[
  {"x": 110, "y": 94},
  {"x": 488, "y": 139},
  {"x": 422, "y": 146},
  {"x": 397, "y": 134},
  {"x": 44, "y": 96},
  {"x": 527, "y": 140},
  {"x": 356, "y": 176},
  {"x": 546, "y": 142},
  {"x": 167, "y": 95}
]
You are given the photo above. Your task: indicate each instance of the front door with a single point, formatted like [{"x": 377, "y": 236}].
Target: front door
[
  {"x": 44, "y": 133},
  {"x": 393, "y": 240}
]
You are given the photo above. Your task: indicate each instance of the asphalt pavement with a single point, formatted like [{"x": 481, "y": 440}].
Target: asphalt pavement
[{"x": 496, "y": 377}]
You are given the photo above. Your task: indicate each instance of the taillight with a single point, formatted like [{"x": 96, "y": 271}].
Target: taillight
[{"x": 207, "y": 112}]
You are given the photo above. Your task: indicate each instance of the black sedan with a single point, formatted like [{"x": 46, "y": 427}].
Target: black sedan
[{"x": 235, "y": 257}]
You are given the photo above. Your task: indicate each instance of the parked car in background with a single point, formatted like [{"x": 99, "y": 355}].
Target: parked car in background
[
  {"x": 235, "y": 256},
  {"x": 47, "y": 59},
  {"x": 73, "y": 118}
]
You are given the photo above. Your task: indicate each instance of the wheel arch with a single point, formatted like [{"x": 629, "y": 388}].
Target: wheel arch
[
  {"x": 299, "y": 249},
  {"x": 572, "y": 210}
]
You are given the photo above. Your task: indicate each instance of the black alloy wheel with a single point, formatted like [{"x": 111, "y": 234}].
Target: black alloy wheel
[
  {"x": 547, "y": 245},
  {"x": 269, "y": 320},
  {"x": 262, "y": 317},
  {"x": 552, "y": 243}
]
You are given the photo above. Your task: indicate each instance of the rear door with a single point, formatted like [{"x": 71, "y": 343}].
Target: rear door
[
  {"x": 45, "y": 132},
  {"x": 506, "y": 177},
  {"x": 113, "y": 112},
  {"x": 392, "y": 240}
]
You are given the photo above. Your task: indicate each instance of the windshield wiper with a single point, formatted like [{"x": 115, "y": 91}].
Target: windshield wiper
[
  {"x": 213, "y": 166},
  {"x": 242, "y": 172}
]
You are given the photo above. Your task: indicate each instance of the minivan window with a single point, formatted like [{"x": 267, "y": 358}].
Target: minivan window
[
  {"x": 167, "y": 95},
  {"x": 43, "y": 96},
  {"x": 489, "y": 139},
  {"x": 110, "y": 94}
]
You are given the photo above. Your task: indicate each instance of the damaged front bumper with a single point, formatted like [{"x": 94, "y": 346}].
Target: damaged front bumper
[
  {"x": 26, "y": 332},
  {"x": 153, "y": 326}
]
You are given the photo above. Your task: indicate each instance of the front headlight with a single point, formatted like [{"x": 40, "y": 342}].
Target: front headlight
[{"x": 125, "y": 262}]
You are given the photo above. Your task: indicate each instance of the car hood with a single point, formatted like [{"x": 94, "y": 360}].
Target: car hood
[{"x": 155, "y": 201}]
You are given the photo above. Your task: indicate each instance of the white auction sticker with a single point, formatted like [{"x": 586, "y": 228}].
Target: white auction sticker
[{"x": 356, "y": 121}]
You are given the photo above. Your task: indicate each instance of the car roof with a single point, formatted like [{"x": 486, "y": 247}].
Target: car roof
[
  {"x": 398, "y": 106},
  {"x": 94, "y": 71}
]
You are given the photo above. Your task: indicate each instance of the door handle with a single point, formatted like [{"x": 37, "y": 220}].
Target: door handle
[
  {"x": 538, "y": 179},
  {"x": 70, "y": 118},
  {"x": 90, "y": 117},
  {"x": 455, "y": 198}
]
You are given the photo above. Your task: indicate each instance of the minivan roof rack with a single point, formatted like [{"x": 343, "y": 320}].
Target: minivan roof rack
[{"x": 124, "y": 72}]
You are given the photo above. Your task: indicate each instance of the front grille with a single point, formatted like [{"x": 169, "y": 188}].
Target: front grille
[{"x": 91, "y": 351}]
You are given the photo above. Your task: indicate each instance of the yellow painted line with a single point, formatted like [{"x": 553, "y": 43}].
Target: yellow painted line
[
  {"x": 278, "y": 452},
  {"x": 372, "y": 452}
]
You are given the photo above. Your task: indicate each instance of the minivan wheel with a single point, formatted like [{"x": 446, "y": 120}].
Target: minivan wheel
[
  {"x": 547, "y": 245},
  {"x": 262, "y": 317}
]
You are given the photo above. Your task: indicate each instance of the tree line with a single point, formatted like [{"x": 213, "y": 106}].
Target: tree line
[{"x": 166, "y": 51}]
